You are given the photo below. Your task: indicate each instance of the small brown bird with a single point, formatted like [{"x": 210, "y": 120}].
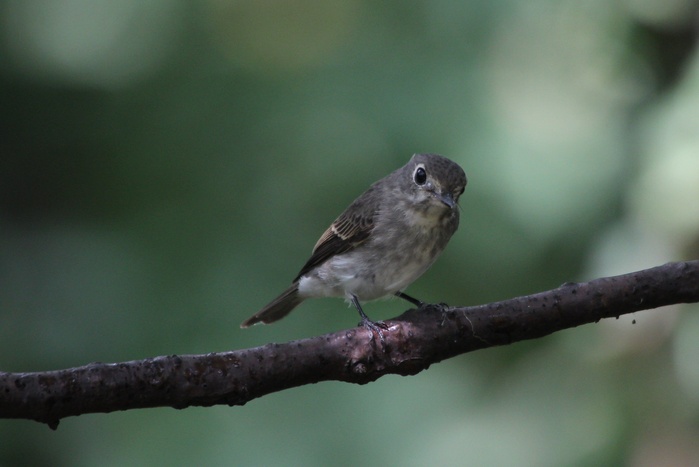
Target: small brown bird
[{"x": 382, "y": 242}]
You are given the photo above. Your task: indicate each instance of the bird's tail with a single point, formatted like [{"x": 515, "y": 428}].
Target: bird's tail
[{"x": 277, "y": 308}]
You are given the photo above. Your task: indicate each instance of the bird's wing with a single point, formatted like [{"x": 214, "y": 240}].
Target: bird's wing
[{"x": 348, "y": 231}]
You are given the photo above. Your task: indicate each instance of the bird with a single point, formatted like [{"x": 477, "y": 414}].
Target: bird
[{"x": 387, "y": 238}]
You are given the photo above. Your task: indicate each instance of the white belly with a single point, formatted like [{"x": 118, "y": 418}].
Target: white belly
[{"x": 367, "y": 278}]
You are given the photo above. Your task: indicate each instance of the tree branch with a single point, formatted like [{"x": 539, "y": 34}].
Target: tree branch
[{"x": 414, "y": 341}]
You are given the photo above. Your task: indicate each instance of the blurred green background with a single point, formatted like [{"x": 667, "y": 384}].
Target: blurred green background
[{"x": 167, "y": 166}]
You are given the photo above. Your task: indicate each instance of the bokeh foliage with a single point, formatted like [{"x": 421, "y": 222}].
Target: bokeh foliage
[{"x": 166, "y": 167}]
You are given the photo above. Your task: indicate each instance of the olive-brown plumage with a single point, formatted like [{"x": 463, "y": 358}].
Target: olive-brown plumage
[{"x": 384, "y": 240}]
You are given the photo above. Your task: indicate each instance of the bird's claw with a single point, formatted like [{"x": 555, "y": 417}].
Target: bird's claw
[{"x": 375, "y": 327}]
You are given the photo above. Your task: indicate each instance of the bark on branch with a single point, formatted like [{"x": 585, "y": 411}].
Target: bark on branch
[{"x": 414, "y": 341}]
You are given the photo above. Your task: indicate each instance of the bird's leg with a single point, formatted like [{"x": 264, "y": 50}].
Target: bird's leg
[
  {"x": 366, "y": 322},
  {"x": 443, "y": 307},
  {"x": 414, "y": 301}
]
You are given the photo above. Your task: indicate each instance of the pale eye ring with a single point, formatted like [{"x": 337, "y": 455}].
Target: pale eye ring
[{"x": 420, "y": 176}]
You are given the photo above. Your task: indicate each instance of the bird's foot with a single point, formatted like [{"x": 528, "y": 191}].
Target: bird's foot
[{"x": 375, "y": 327}]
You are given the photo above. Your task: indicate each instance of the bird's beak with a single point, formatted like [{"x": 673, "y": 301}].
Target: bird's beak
[{"x": 448, "y": 199}]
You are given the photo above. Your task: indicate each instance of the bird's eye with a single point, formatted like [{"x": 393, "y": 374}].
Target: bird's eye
[{"x": 420, "y": 176}]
